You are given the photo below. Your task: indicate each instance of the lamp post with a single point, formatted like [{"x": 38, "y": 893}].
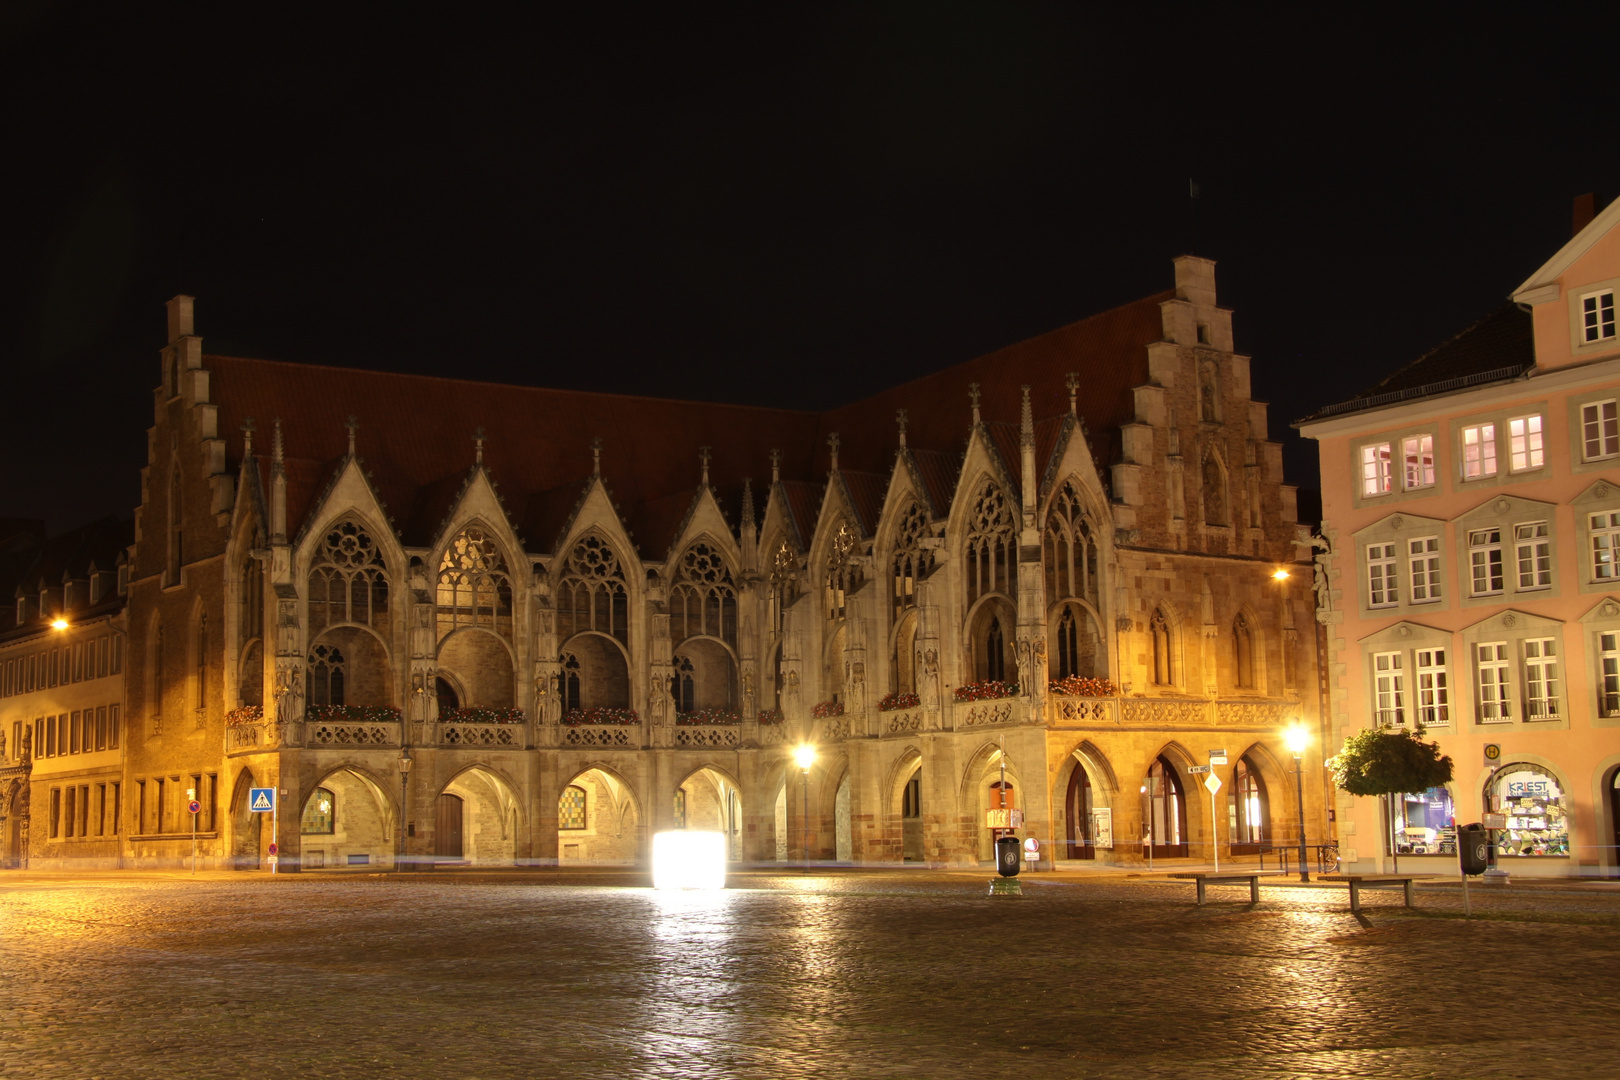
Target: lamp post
[
  {"x": 805, "y": 756},
  {"x": 404, "y": 778},
  {"x": 1297, "y": 738}
]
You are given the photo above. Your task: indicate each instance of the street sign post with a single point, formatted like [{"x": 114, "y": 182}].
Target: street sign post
[
  {"x": 195, "y": 807},
  {"x": 1198, "y": 770},
  {"x": 1032, "y": 850},
  {"x": 1217, "y": 757},
  {"x": 262, "y": 800},
  {"x": 1213, "y": 783}
]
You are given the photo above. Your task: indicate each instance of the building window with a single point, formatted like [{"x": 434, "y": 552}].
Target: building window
[
  {"x": 1541, "y": 679},
  {"x": 567, "y": 682},
  {"x": 1163, "y": 670},
  {"x": 1597, "y": 316},
  {"x": 1068, "y": 645},
  {"x": 1434, "y": 700},
  {"x": 571, "y": 808},
  {"x": 1389, "y": 685},
  {"x": 1609, "y": 674},
  {"x": 684, "y": 684},
  {"x": 1600, "y": 430},
  {"x": 1605, "y": 529},
  {"x": 1249, "y": 817},
  {"x": 1418, "y": 452},
  {"x": 1537, "y": 816},
  {"x": 995, "y": 657},
  {"x": 1424, "y": 555},
  {"x": 320, "y": 813},
  {"x": 1485, "y": 560},
  {"x": 1479, "y": 451},
  {"x": 1382, "y": 589},
  {"x": 1376, "y": 469},
  {"x": 1533, "y": 547},
  {"x": 1423, "y": 823},
  {"x": 1494, "y": 703},
  {"x": 1524, "y": 444},
  {"x": 325, "y": 676}
]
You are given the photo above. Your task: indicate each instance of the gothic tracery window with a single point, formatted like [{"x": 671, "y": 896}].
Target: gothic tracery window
[
  {"x": 474, "y": 587},
  {"x": 1068, "y": 644},
  {"x": 843, "y": 575},
  {"x": 703, "y": 599},
  {"x": 325, "y": 675},
  {"x": 568, "y": 682},
  {"x": 591, "y": 592},
  {"x": 990, "y": 551},
  {"x": 912, "y": 562},
  {"x": 1071, "y": 550},
  {"x": 683, "y": 685},
  {"x": 348, "y": 581},
  {"x": 995, "y": 652}
]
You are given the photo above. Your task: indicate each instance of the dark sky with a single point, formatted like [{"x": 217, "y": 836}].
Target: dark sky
[{"x": 772, "y": 204}]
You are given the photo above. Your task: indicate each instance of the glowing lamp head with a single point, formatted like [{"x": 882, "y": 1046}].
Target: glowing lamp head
[
  {"x": 59, "y": 624},
  {"x": 1297, "y": 737},
  {"x": 804, "y": 756},
  {"x": 1279, "y": 575},
  {"x": 689, "y": 859}
]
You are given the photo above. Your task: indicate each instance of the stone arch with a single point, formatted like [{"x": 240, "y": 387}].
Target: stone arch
[
  {"x": 702, "y": 596},
  {"x": 368, "y": 673},
  {"x": 246, "y": 827},
  {"x": 1076, "y": 643},
  {"x": 709, "y": 797},
  {"x": 982, "y": 770},
  {"x": 707, "y": 679},
  {"x": 595, "y": 672},
  {"x": 492, "y": 814},
  {"x": 483, "y": 663},
  {"x": 473, "y": 582},
  {"x": 903, "y": 652},
  {"x": 1177, "y": 810},
  {"x": 903, "y": 805},
  {"x": 364, "y": 818},
  {"x": 349, "y": 578},
  {"x": 988, "y": 615},
  {"x": 615, "y": 822}
]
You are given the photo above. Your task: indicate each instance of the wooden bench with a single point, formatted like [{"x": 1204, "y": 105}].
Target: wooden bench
[
  {"x": 1202, "y": 878},
  {"x": 1358, "y": 882}
]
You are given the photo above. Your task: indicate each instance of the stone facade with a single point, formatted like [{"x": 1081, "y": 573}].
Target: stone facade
[{"x": 545, "y": 659}]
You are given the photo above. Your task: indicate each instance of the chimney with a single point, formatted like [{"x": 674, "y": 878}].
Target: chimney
[
  {"x": 180, "y": 317},
  {"x": 1582, "y": 214}
]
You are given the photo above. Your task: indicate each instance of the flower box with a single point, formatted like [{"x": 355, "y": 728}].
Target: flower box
[
  {"x": 476, "y": 714},
  {"x": 1076, "y": 686},
  {"x": 892, "y": 702},
  {"x": 352, "y": 714},
  {"x": 247, "y": 714},
  {"x": 988, "y": 690},
  {"x": 707, "y": 716},
  {"x": 770, "y": 716},
  {"x": 599, "y": 715},
  {"x": 825, "y": 709}
]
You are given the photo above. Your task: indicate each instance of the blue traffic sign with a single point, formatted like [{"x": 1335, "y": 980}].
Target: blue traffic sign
[{"x": 261, "y": 800}]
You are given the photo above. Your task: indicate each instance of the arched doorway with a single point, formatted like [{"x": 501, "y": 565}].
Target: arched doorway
[
  {"x": 1167, "y": 811},
  {"x": 708, "y": 800},
  {"x": 1248, "y": 810},
  {"x": 245, "y": 826},
  {"x": 599, "y": 821},
  {"x": 478, "y": 822},
  {"x": 346, "y": 820},
  {"x": 1077, "y": 817}
]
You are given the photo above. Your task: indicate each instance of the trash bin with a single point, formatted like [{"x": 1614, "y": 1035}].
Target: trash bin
[
  {"x": 1474, "y": 849},
  {"x": 1008, "y": 855}
]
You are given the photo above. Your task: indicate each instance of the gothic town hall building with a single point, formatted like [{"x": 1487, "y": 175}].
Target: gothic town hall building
[{"x": 475, "y": 624}]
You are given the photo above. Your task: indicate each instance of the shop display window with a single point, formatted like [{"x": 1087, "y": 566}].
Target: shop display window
[
  {"x": 1536, "y": 808},
  {"x": 1425, "y": 823}
]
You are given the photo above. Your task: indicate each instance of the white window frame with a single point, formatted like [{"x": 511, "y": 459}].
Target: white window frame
[
  {"x": 1532, "y": 554},
  {"x": 1377, "y": 470},
  {"x": 1389, "y": 689},
  {"x": 1433, "y": 688},
  {"x": 1493, "y": 681},
  {"x": 1479, "y": 451},
  {"x": 1600, "y": 430},
  {"x": 1541, "y": 679},
  {"x": 1604, "y": 530},
  {"x": 1423, "y": 557},
  {"x": 1527, "y": 447},
  {"x": 1484, "y": 556},
  {"x": 1597, "y": 317},
  {"x": 1417, "y": 456},
  {"x": 1608, "y": 647},
  {"x": 1383, "y": 576}
]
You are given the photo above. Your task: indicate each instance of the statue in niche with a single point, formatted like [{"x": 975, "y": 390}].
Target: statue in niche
[
  {"x": 1026, "y": 669},
  {"x": 748, "y": 691},
  {"x": 928, "y": 678},
  {"x": 27, "y": 745},
  {"x": 1214, "y": 492},
  {"x": 657, "y": 697},
  {"x": 855, "y": 688}
]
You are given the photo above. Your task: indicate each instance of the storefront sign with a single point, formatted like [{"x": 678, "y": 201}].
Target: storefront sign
[
  {"x": 1102, "y": 827},
  {"x": 1522, "y": 789}
]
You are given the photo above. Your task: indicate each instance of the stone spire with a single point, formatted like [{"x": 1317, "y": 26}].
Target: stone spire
[
  {"x": 1073, "y": 382},
  {"x": 1026, "y": 452},
  {"x": 832, "y": 444},
  {"x": 973, "y": 396},
  {"x": 478, "y": 445},
  {"x": 703, "y": 458},
  {"x": 247, "y": 439},
  {"x": 900, "y": 418},
  {"x": 776, "y": 465},
  {"x": 278, "y": 488},
  {"x": 596, "y": 456},
  {"x": 748, "y": 503},
  {"x": 353, "y": 425}
]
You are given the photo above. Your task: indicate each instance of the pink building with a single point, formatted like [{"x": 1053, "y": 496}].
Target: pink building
[{"x": 1472, "y": 505}]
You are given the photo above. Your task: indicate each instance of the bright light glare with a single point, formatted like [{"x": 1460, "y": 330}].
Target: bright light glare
[
  {"x": 689, "y": 859},
  {"x": 1280, "y": 575},
  {"x": 1297, "y": 737},
  {"x": 804, "y": 756},
  {"x": 59, "y": 624}
]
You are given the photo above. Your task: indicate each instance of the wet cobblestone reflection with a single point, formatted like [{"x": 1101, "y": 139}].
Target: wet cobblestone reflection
[{"x": 861, "y": 975}]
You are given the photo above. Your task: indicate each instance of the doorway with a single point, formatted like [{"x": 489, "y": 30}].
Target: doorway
[{"x": 447, "y": 827}]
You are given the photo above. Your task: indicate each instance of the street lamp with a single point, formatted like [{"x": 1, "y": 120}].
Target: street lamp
[
  {"x": 59, "y": 623},
  {"x": 1297, "y": 737},
  {"x": 404, "y": 778},
  {"x": 804, "y": 755}
]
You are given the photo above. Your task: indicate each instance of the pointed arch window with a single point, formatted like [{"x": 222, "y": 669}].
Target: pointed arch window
[
  {"x": 1068, "y": 644},
  {"x": 991, "y": 560},
  {"x": 1167, "y": 823},
  {"x": 320, "y": 814},
  {"x": 568, "y": 682},
  {"x": 843, "y": 574},
  {"x": 591, "y": 592},
  {"x": 326, "y": 676},
  {"x": 683, "y": 685},
  {"x": 348, "y": 582},
  {"x": 1071, "y": 549},
  {"x": 1215, "y": 512},
  {"x": 703, "y": 599},
  {"x": 252, "y": 599},
  {"x": 1243, "y": 652},
  {"x": 995, "y": 652},
  {"x": 475, "y": 587},
  {"x": 1164, "y": 673},
  {"x": 1249, "y": 813},
  {"x": 912, "y": 562}
]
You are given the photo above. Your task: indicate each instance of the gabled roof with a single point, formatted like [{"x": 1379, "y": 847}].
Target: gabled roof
[{"x": 1566, "y": 256}]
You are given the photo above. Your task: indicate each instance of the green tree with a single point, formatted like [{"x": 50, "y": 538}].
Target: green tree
[{"x": 1389, "y": 763}]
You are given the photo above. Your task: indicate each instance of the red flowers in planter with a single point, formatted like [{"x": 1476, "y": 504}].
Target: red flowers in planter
[
  {"x": 825, "y": 709},
  {"x": 1076, "y": 686},
  {"x": 351, "y": 714},
  {"x": 988, "y": 690},
  {"x": 770, "y": 716},
  {"x": 892, "y": 702},
  {"x": 707, "y": 716},
  {"x": 599, "y": 715},
  {"x": 476, "y": 714},
  {"x": 247, "y": 714}
]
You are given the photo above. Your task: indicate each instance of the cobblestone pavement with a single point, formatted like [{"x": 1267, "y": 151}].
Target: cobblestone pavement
[{"x": 897, "y": 974}]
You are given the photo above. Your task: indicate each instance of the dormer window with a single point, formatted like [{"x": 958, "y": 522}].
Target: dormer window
[
  {"x": 22, "y": 610},
  {"x": 1597, "y": 316}
]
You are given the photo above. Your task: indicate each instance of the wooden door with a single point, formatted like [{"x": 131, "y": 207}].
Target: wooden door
[{"x": 447, "y": 827}]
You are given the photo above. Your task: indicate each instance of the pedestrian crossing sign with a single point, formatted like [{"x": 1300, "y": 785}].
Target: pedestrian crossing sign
[{"x": 261, "y": 800}]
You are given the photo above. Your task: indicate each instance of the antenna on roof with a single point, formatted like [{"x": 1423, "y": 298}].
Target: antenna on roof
[
  {"x": 900, "y": 418},
  {"x": 1073, "y": 382},
  {"x": 703, "y": 456},
  {"x": 247, "y": 437},
  {"x": 832, "y": 443},
  {"x": 596, "y": 456},
  {"x": 776, "y": 465},
  {"x": 353, "y": 425},
  {"x": 973, "y": 396},
  {"x": 478, "y": 443}
]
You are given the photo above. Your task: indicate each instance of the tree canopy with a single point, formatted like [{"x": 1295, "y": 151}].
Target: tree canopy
[{"x": 1388, "y": 762}]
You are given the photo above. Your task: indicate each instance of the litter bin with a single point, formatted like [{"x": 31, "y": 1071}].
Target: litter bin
[
  {"x": 1474, "y": 849},
  {"x": 1008, "y": 855}
]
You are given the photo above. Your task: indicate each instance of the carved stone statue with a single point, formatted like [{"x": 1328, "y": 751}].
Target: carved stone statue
[
  {"x": 928, "y": 678},
  {"x": 855, "y": 689},
  {"x": 657, "y": 697},
  {"x": 1026, "y": 669},
  {"x": 27, "y": 745}
]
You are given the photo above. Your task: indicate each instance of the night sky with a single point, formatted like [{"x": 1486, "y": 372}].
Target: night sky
[{"x": 775, "y": 205}]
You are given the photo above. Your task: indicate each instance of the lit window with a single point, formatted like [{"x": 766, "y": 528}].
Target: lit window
[
  {"x": 1597, "y": 316},
  {"x": 1434, "y": 704},
  {"x": 1494, "y": 704},
  {"x": 571, "y": 808},
  {"x": 1479, "y": 451},
  {"x": 1424, "y": 555},
  {"x": 1389, "y": 681},
  {"x": 1600, "y": 429},
  {"x": 1418, "y": 453},
  {"x": 1541, "y": 679},
  {"x": 1382, "y": 589},
  {"x": 319, "y": 813},
  {"x": 1485, "y": 560},
  {"x": 1376, "y": 469},
  {"x": 1534, "y": 549},
  {"x": 1609, "y": 663},
  {"x": 1605, "y": 540},
  {"x": 1524, "y": 443}
]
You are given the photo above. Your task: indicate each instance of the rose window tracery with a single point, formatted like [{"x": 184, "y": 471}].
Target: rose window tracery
[
  {"x": 843, "y": 575},
  {"x": 348, "y": 581},
  {"x": 1070, "y": 550},
  {"x": 912, "y": 562},
  {"x": 703, "y": 600},
  {"x": 591, "y": 591},
  {"x": 990, "y": 553},
  {"x": 474, "y": 587}
]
